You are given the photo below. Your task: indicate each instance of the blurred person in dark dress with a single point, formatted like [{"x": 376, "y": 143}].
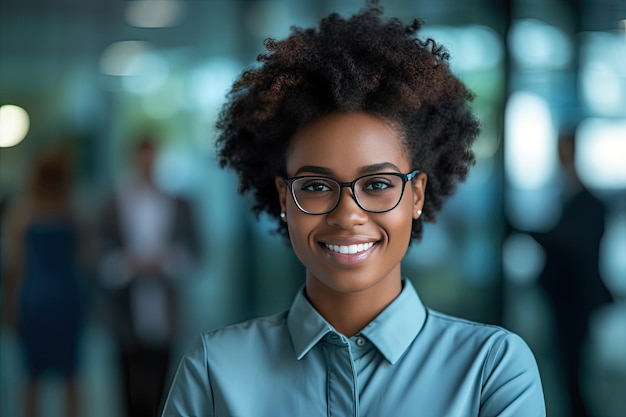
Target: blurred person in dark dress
[
  {"x": 149, "y": 245},
  {"x": 42, "y": 296},
  {"x": 571, "y": 277}
]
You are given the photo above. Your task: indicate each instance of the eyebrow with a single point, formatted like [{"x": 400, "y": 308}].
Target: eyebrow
[{"x": 368, "y": 169}]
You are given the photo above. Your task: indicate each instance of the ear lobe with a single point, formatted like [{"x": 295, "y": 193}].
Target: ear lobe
[{"x": 418, "y": 186}]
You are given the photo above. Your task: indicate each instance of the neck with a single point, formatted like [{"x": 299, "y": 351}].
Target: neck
[{"x": 350, "y": 312}]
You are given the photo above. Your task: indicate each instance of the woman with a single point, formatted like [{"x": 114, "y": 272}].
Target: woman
[
  {"x": 43, "y": 300},
  {"x": 351, "y": 136}
]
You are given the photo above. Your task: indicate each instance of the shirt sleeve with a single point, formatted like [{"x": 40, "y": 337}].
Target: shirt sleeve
[
  {"x": 511, "y": 381},
  {"x": 190, "y": 393}
]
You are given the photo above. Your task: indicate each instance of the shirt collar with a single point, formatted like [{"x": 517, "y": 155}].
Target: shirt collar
[
  {"x": 306, "y": 326},
  {"x": 395, "y": 328},
  {"x": 392, "y": 331}
]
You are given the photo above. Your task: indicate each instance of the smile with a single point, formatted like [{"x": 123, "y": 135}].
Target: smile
[{"x": 349, "y": 249}]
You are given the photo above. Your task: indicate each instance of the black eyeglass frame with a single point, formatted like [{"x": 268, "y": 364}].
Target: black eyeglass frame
[{"x": 405, "y": 178}]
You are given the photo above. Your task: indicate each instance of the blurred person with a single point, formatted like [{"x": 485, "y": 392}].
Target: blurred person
[
  {"x": 571, "y": 277},
  {"x": 149, "y": 244},
  {"x": 349, "y": 136},
  {"x": 42, "y": 295}
]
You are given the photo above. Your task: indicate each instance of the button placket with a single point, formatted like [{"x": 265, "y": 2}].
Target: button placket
[{"x": 341, "y": 378}]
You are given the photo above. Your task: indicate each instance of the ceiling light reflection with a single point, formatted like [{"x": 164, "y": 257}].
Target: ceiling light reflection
[
  {"x": 120, "y": 58},
  {"x": 154, "y": 13}
]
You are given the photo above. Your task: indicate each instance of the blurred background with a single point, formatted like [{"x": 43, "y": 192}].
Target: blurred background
[{"x": 103, "y": 100}]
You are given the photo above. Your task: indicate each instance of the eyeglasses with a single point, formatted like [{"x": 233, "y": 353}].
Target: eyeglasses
[{"x": 374, "y": 193}]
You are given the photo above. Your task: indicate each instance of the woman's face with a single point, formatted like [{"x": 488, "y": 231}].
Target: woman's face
[{"x": 346, "y": 146}]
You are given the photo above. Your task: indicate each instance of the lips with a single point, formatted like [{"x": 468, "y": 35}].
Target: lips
[
  {"x": 347, "y": 254},
  {"x": 349, "y": 249}
]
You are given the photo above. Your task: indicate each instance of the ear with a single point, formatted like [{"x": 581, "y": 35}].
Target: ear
[
  {"x": 418, "y": 186},
  {"x": 281, "y": 187}
]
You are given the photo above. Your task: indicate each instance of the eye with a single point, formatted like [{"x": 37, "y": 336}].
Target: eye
[
  {"x": 377, "y": 184},
  {"x": 315, "y": 185}
]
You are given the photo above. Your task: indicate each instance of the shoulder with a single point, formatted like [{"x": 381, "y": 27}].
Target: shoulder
[
  {"x": 227, "y": 361},
  {"x": 507, "y": 369},
  {"x": 446, "y": 323},
  {"x": 237, "y": 336},
  {"x": 495, "y": 342},
  {"x": 229, "y": 354},
  {"x": 256, "y": 324}
]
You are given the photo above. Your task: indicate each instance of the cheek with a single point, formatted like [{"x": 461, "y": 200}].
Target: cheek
[
  {"x": 401, "y": 222},
  {"x": 300, "y": 228}
]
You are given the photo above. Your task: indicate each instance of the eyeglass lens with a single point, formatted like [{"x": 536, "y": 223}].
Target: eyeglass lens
[{"x": 375, "y": 193}]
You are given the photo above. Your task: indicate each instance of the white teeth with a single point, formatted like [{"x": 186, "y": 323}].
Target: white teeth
[{"x": 350, "y": 248}]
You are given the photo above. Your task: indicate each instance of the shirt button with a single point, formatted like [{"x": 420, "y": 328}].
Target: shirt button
[{"x": 360, "y": 341}]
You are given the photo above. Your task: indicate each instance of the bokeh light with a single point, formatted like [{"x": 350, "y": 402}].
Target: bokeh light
[
  {"x": 530, "y": 151},
  {"x": 124, "y": 58},
  {"x": 154, "y": 13},
  {"x": 14, "y": 125},
  {"x": 535, "y": 44},
  {"x": 601, "y": 153}
]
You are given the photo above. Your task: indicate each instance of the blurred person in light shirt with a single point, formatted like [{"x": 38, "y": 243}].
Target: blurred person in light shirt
[{"x": 149, "y": 244}]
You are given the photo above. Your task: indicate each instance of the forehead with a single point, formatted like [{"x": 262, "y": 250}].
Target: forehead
[{"x": 346, "y": 143}]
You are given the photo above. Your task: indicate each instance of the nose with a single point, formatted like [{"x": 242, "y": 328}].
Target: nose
[{"x": 347, "y": 214}]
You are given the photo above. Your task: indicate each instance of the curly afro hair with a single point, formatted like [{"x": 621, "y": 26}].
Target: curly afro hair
[{"x": 362, "y": 63}]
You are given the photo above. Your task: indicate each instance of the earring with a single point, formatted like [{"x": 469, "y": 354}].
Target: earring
[
  {"x": 282, "y": 215},
  {"x": 419, "y": 213}
]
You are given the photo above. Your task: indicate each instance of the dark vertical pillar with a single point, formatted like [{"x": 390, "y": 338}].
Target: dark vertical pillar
[{"x": 507, "y": 8}]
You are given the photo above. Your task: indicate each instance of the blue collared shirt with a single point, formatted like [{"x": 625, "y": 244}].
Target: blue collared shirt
[{"x": 409, "y": 361}]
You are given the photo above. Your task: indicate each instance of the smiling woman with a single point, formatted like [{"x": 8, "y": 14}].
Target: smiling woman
[
  {"x": 346, "y": 146},
  {"x": 351, "y": 135}
]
